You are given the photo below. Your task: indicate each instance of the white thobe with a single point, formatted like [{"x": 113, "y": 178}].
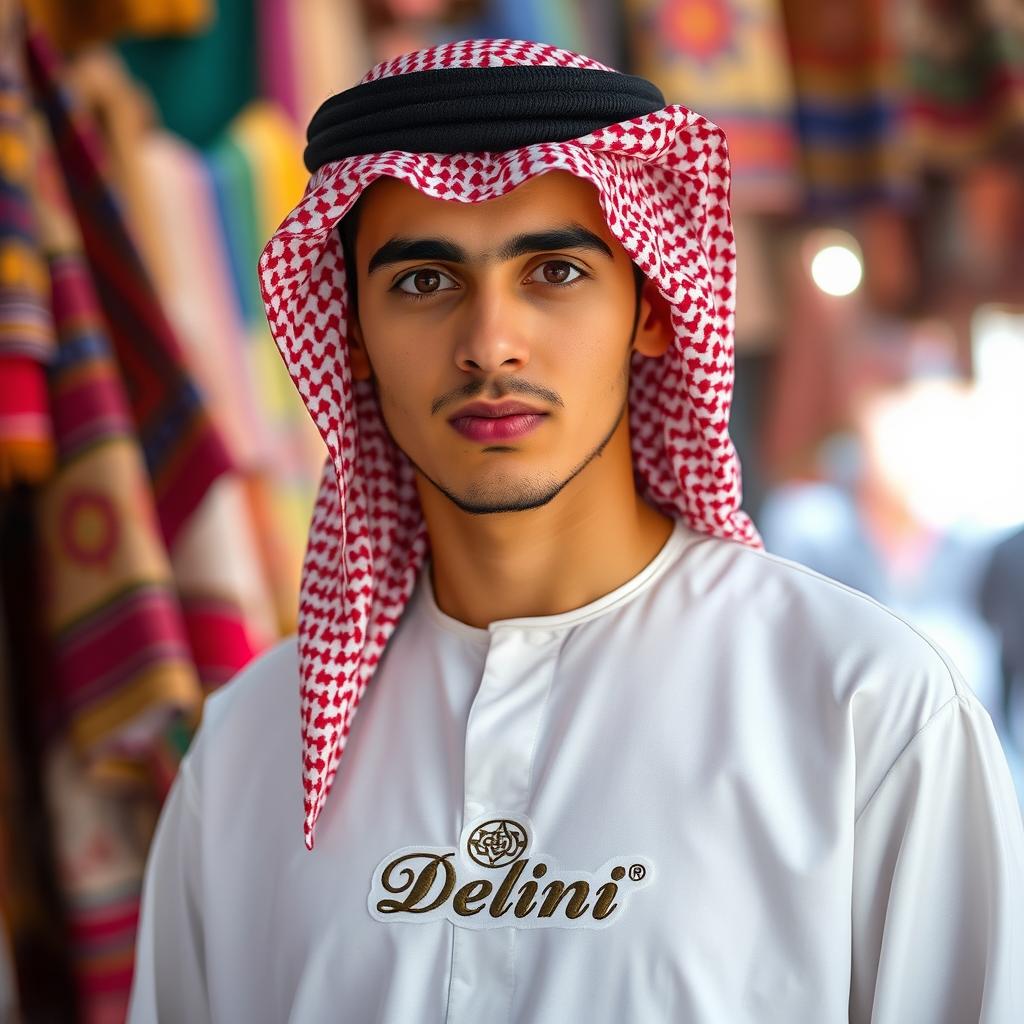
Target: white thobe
[{"x": 731, "y": 790}]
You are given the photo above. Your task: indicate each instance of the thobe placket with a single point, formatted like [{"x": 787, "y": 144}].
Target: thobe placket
[{"x": 501, "y": 735}]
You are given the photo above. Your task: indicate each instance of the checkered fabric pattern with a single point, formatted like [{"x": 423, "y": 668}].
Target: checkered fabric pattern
[{"x": 663, "y": 185}]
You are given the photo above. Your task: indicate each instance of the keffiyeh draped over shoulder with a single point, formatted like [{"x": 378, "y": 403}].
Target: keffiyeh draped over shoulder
[{"x": 663, "y": 183}]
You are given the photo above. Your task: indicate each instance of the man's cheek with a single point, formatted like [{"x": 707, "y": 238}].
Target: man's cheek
[{"x": 398, "y": 411}]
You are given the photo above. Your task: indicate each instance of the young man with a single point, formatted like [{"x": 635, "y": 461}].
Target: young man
[{"x": 611, "y": 762}]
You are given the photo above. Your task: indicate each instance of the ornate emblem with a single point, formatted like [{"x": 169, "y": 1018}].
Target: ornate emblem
[{"x": 496, "y": 843}]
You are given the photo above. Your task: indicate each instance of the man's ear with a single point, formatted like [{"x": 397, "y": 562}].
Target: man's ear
[
  {"x": 654, "y": 323},
  {"x": 358, "y": 360}
]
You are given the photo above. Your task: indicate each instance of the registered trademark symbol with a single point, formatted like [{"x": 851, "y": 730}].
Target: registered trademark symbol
[{"x": 637, "y": 872}]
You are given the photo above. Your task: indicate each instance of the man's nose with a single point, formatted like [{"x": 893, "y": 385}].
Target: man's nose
[{"x": 493, "y": 336}]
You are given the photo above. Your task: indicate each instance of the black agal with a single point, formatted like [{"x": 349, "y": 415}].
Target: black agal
[{"x": 472, "y": 110}]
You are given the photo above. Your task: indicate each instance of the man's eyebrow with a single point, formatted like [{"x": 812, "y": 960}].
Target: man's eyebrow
[
  {"x": 573, "y": 236},
  {"x": 398, "y": 250}
]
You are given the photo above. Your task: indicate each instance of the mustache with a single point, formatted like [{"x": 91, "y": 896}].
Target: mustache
[{"x": 499, "y": 387}]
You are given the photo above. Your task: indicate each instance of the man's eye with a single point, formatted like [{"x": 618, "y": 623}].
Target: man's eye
[
  {"x": 556, "y": 272},
  {"x": 424, "y": 282}
]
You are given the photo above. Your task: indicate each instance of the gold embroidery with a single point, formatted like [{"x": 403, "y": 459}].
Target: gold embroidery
[{"x": 425, "y": 885}]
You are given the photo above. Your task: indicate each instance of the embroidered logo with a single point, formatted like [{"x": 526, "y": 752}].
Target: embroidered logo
[
  {"x": 493, "y": 880},
  {"x": 497, "y": 843}
]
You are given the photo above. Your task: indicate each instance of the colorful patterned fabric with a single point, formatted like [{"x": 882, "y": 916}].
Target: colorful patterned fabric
[
  {"x": 964, "y": 63},
  {"x": 101, "y": 837},
  {"x": 122, "y": 663},
  {"x": 728, "y": 59},
  {"x": 123, "y": 657},
  {"x": 26, "y": 327},
  {"x": 169, "y": 198},
  {"x": 26, "y": 441},
  {"x": 663, "y": 180},
  {"x": 217, "y": 565},
  {"x": 849, "y": 98},
  {"x": 183, "y": 451}
]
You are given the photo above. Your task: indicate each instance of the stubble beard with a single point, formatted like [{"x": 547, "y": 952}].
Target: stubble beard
[{"x": 516, "y": 495}]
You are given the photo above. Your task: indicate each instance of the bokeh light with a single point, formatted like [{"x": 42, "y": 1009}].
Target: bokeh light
[{"x": 837, "y": 268}]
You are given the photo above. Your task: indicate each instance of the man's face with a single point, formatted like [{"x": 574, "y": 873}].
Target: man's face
[{"x": 498, "y": 335}]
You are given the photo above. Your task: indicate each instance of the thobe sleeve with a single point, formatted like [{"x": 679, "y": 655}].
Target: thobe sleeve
[
  {"x": 938, "y": 881},
  {"x": 169, "y": 984}
]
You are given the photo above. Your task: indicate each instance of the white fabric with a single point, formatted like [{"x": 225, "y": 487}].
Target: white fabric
[{"x": 825, "y": 819}]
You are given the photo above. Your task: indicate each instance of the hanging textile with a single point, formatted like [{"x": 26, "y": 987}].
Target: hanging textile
[
  {"x": 728, "y": 58},
  {"x": 101, "y": 835},
  {"x": 138, "y": 458},
  {"x": 169, "y": 199},
  {"x": 26, "y": 329},
  {"x": 183, "y": 452},
  {"x": 964, "y": 64},
  {"x": 72, "y": 24},
  {"x": 122, "y": 664},
  {"x": 846, "y": 73}
]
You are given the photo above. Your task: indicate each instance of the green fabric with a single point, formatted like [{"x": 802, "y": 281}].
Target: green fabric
[{"x": 200, "y": 82}]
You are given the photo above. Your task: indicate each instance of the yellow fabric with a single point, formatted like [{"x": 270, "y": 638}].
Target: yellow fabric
[
  {"x": 274, "y": 148},
  {"x": 71, "y": 24}
]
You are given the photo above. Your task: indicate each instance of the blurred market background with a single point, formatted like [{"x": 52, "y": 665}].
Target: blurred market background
[{"x": 157, "y": 470}]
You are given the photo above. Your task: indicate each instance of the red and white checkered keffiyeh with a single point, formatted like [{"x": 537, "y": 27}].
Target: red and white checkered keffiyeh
[{"x": 663, "y": 184}]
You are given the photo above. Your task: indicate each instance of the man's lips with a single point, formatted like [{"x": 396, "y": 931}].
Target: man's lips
[{"x": 484, "y": 421}]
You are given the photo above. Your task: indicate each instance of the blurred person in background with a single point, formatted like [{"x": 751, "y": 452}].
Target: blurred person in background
[
  {"x": 588, "y": 701},
  {"x": 890, "y": 512}
]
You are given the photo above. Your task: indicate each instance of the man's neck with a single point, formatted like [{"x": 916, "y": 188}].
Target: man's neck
[{"x": 595, "y": 535}]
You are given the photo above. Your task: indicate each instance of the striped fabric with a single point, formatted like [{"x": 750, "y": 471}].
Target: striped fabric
[
  {"x": 26, "y": 329},
  {"x": 122, "y": 659},
  {"x": 849, "y": 98},
  {"x": 183, "y": 451}
]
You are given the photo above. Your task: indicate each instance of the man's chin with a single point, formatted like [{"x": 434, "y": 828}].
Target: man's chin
[{"x": 499, "y": 498}]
